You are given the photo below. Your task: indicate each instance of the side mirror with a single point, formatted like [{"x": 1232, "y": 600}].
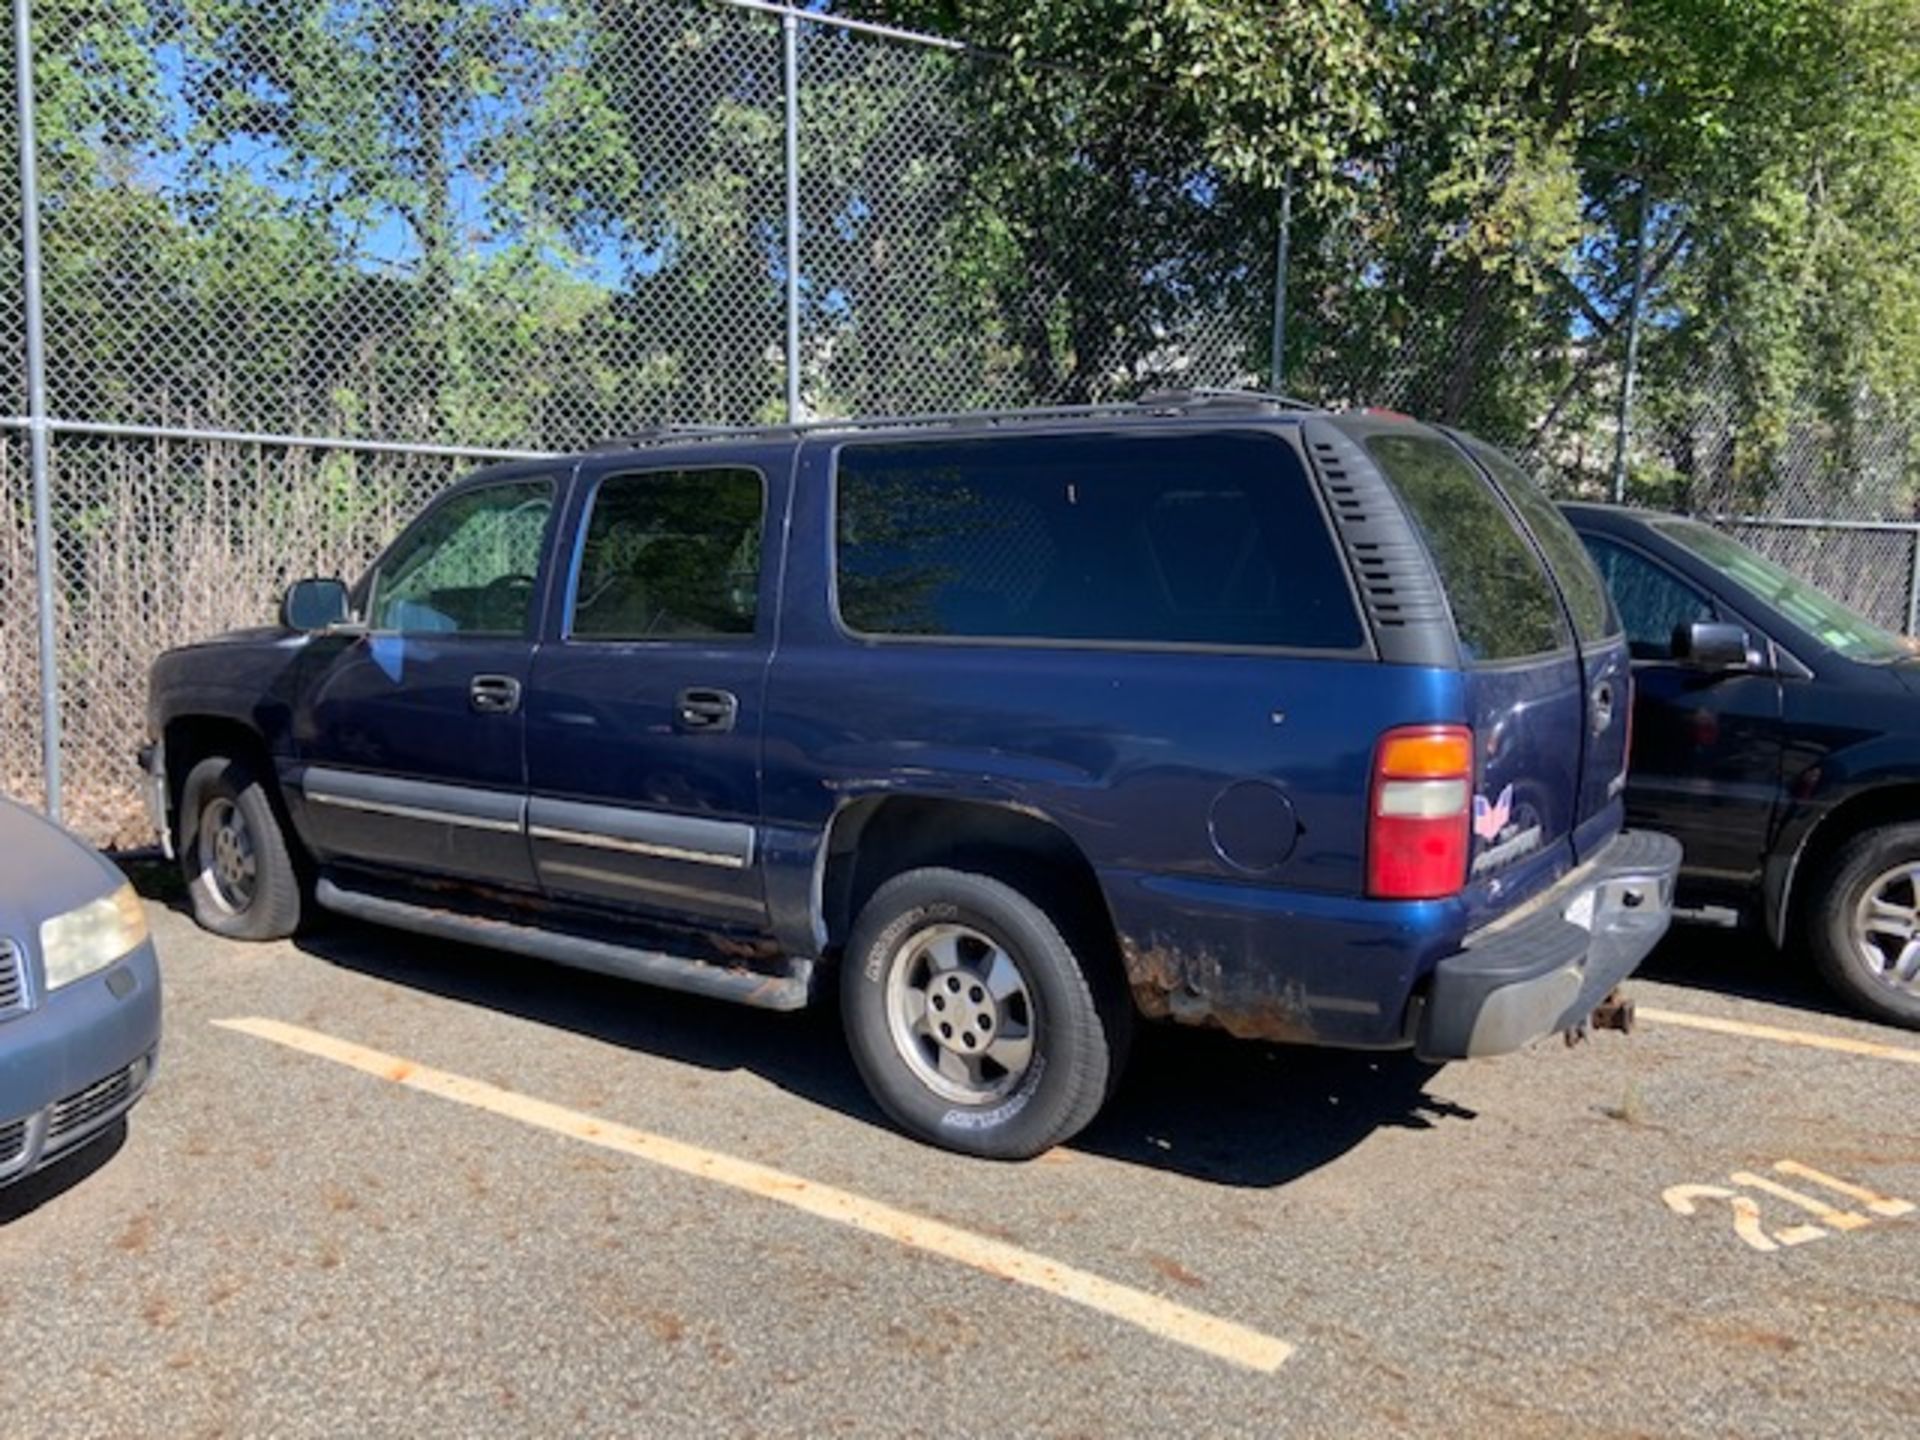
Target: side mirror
[
  {"x": 314, "y": 605},
  {"x": 1710, "y": 645}
]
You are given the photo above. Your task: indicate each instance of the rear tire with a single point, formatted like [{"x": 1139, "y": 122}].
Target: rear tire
[
  {"x": 1863, "y": 923},
  {"x": 972, "y": 1020},
  {"x": 240, "y": 873}
]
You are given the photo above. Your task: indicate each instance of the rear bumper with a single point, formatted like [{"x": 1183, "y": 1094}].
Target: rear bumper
[{"x": 1545, "y": 968}]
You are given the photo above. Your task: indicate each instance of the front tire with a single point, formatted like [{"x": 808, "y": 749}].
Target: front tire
[
  {"x": 973, "y": 1022},
  {"x": 1863, "y": 925},
  {"x": 240, "y": 873}
]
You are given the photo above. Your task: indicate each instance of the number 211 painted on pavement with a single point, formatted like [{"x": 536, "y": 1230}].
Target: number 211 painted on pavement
[{"x": 1687, "y": 1199}]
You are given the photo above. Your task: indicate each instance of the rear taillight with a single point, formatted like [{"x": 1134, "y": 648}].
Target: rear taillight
[{"x": 1419, "y": 817}]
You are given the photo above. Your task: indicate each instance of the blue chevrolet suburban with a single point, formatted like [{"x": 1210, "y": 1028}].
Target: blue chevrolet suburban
[{"x": 1209, "y": 708}]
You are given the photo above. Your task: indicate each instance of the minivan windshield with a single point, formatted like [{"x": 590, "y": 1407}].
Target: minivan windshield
[{"x": 1814, "y": 611}]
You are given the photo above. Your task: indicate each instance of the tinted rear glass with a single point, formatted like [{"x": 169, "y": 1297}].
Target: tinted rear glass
[
  {"x": 1186, "y": 539},
  {"x": 1503, "y": 605},
  {"x": 1580, "y": 582}
]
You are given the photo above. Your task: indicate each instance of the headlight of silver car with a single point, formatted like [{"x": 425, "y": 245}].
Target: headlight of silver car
[{"x": 92, "y": 936}]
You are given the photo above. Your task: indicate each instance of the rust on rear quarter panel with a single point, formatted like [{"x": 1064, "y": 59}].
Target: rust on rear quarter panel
[{"x": 1191, "y": 987}]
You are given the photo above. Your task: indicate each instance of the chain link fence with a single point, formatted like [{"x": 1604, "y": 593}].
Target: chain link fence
[{"x": 306, "y": 260}]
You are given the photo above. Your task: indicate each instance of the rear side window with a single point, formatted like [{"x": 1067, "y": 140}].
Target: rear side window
[
  {"x": 1187, "y": 539},
  {"x": 1503, "y": 605},
  {"x": 1580, "y": 583},
  {"x": 670, "y": 555}
]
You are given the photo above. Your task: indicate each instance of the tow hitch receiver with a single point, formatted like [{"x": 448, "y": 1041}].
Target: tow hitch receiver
[{"x": 1615, "y": 1012}]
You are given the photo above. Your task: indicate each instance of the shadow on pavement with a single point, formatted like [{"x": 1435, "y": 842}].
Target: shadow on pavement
[
  {"x": 1196, "y": 1103},
  {"x": 157, "y": 879},
  {"x": 1742, "y": 964},
  {"x": 1239, "y": 1112},
  {"x": 25, "y": 1196}
]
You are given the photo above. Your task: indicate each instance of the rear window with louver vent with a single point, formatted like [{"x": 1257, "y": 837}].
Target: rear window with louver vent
[
  {"x": 1503, "y": 605},
  {"x": 1580, "y": 583}
]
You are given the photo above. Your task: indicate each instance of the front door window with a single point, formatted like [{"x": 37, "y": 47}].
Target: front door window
[
  {"x": 1653, "y": 602},
  {"x": 468, "y": 568}
]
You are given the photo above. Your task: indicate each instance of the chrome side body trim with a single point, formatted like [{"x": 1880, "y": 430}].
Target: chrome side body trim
[
  {"x": 726, "y": 844},
  {"x": 473, "y": 808},
  {"x": 413, "y": 812},
  {"x": 635, "y": 847}
]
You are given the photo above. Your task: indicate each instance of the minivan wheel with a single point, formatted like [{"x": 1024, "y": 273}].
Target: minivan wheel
[
  {"x": 1864, "y": 923},
  {"x": 972, "y": 1020},
  {"x": 240, "y": 875}
]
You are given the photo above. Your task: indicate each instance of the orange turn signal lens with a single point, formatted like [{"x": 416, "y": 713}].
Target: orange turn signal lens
[{"x": 1439, "y": 752}]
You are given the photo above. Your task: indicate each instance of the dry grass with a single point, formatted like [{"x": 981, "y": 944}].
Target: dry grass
[{"x": 159, "y": 543}]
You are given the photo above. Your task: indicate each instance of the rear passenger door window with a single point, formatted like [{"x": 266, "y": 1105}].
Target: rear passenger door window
[
  {"x": 670, "y": 555},
  {"x": 1504, "y": 608},
  {"x": 1203, "y": 540}
]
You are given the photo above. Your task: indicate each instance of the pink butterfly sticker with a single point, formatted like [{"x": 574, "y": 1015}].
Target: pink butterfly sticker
[{"x": 1490, "y": 819}]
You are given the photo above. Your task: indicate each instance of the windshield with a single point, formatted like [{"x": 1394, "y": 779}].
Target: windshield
[{"x": 1837, "y": 627}]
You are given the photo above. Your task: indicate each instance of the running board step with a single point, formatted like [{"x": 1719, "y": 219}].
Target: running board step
[{"x": 790, "y": 991}]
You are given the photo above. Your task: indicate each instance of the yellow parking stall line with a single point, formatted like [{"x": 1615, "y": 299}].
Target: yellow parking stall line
[
  {"x": 1872, "y": 1049},
  {"x": 1223, "y": 1339}
]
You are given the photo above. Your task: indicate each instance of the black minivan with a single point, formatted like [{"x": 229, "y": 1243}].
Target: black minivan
[{"x": 1777, "y": 737}]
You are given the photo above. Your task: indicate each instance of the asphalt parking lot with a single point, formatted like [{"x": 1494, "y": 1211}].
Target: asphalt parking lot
[{"x": 389, "y": 1185}]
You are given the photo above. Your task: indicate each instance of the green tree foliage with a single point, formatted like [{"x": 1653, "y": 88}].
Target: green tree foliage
[
  {"x": 537, "y": 223},
  {"x": 523, "y": 224},
  {"x": 1116, "y": 161},
  {"x": 658, "y": 152},
  {"x": 1469, "y": 180}
]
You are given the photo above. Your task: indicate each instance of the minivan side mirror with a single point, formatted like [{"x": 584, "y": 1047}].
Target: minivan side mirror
[
  {"x": 313, "y": 605},
  {"x": 1712, "y": 645}
]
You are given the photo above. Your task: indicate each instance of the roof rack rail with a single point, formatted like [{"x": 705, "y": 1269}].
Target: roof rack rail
[
  {"x": 657, "y": 434},
  {"x": 1205, "y": 396},
  {"x": 1154, "y": 402}
]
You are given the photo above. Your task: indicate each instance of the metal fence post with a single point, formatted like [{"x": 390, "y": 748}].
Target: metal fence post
[
  {"x": 39, "y": 460},
  {"x": 1634, "y": 305},
  {"x": 1278, "y": 368},
  {"x": 790, "y": 56},
  {"x": 1913, "y": 584}
]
